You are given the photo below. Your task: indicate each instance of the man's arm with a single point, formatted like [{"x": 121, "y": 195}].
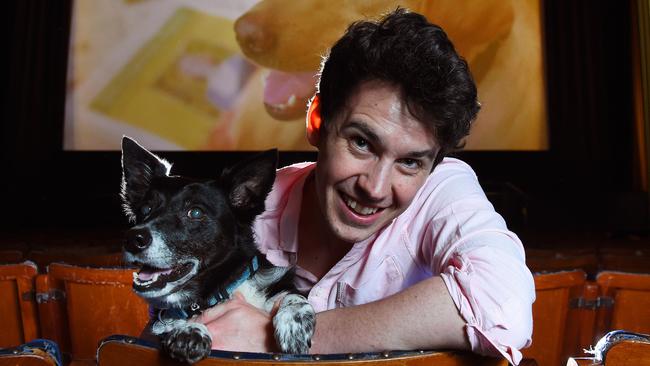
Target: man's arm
[{"x": 421, "y": 317}]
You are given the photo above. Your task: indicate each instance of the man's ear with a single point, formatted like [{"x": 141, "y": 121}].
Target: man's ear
[
  {"x": 314, "y": 121},
  {"x": 249, "y": 182},
  {"x": 139, "y": 167}
]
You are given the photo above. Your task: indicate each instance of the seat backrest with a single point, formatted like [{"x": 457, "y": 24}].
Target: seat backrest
[
  {"x": 617, "y": 348},
  {"x": 43, "y": 258},
  {"x": 628, "y": 353},
  {"x": 127, "y": 351},
  {"x": 628, "y": 298},
  {"x": 38, "y": 352},
  {"x": 550, "y": 312},
  {"x": 97, "y": 302},
  {"x": 18, "y": 313},
  {"x": 554, "y": 260},
  {"x": 52, "y": 314},
  {"x": 11, "y": 256},
  {"x": 633, "y": 260}
]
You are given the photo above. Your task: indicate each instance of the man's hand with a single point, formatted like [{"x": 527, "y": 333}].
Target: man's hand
[{"x": 236, "y": 325}]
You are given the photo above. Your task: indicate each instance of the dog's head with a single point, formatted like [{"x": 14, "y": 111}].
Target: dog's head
[{"x": 188, "y": 231}]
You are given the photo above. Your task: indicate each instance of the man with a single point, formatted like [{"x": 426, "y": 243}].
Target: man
[{"x": 396, "y": 247}]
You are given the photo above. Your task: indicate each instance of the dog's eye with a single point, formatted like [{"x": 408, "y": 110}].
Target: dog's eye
[
  {"x": 195, "y": 213},
  {"x": 145, "y": 210}
]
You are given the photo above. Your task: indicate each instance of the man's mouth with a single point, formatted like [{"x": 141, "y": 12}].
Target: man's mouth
[
  {"x": 149, "y": 278},
  {"x": 358, "y": 208}
]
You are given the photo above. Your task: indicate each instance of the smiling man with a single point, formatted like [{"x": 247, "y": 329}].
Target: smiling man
[{"x": 395, "y": 244}]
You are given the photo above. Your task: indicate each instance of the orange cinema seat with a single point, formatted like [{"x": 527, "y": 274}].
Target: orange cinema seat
[
  {"x": 18, "y": 312},
  {"x": 82, "y": 305}
]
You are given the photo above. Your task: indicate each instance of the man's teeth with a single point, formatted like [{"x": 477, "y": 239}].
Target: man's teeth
[{"x": 358, "y": 208}]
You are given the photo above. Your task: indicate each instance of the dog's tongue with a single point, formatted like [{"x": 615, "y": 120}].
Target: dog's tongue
[
  {"x": 286, "y": 94},
  {"x": 147, "y": 273}
]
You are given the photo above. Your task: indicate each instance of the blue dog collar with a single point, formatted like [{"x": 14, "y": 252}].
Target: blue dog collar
[{"x": 226, "y": 293}]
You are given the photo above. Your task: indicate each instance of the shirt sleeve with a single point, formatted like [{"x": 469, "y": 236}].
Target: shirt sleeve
[
  {"x": 493, "y": 291},
  {"x": 482, "y": 263}
]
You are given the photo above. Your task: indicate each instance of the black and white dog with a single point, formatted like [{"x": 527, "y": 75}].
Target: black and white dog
[{"x": 193, "y": 243}]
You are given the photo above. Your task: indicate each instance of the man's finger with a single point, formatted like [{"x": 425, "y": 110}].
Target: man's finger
[
  {"x": 239, "y": 296},
  {"x": 276, "y": 306}
]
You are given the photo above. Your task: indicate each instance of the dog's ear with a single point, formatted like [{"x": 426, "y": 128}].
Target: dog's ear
[
  {"x": 139, "y": 167},
  {"x": 249, "y": 182}
]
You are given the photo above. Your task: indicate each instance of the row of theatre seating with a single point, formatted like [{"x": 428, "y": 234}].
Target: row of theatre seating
[{"x": 77, "y": 305}]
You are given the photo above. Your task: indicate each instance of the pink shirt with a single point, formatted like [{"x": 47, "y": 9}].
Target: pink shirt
[{"x": 449, "y": 230}]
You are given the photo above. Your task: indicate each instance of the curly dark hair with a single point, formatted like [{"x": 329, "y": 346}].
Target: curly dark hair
[{"x": 404, "y": 50}]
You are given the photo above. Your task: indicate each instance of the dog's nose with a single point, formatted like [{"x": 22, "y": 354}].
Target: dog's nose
[
  {"x": 137, "y": 240},
  {"x": 250, "y": 32}
]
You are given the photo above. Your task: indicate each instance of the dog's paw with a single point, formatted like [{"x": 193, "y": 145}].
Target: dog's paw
[
  {"x": 294, "y": 324},
  {"x": 189, "y": 343}
]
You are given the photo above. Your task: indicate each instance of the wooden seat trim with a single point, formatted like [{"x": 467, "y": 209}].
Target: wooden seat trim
[
  {"x": 630, "y": 281},
  {"x": 112, "y": 276},
  {"x": 628, "y": 353},
  {"x": 127, "y": 351},
  {"x": 561, "y": 279},
  {"x": 39, "y": 352}
]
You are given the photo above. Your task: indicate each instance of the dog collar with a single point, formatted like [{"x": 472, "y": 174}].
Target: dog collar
[
  {"x": 224, "y": 294},
  {"x": 217, "y": 297}
]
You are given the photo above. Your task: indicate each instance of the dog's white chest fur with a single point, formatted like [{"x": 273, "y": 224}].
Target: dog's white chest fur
[{"x": 256, "y": 297}]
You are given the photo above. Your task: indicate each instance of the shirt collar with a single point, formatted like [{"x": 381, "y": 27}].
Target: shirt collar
[{"x": 290, "y": 216}]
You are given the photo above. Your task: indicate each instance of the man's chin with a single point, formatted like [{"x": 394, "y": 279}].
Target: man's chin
[{"x": 352, "y": 234}]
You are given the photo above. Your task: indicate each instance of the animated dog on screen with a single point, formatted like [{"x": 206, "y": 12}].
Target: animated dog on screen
[{"x": 192, "y": 241}]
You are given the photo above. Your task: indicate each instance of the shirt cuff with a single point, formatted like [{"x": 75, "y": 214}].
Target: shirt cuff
[{"x": 488, "y": 331}]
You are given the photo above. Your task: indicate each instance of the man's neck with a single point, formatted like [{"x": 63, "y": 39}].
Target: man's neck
[{"x": 318, "y": 248}]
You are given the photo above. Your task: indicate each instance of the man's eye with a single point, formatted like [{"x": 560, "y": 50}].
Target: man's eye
[
  {"x": 145, "y": 210},
  {"x": 195, "y": 213},
  {"x": 411, "y": 163},
  {"x": 360, "y": 142}
]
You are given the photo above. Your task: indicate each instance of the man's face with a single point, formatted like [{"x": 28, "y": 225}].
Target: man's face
[{"x": 373, "y": 158}]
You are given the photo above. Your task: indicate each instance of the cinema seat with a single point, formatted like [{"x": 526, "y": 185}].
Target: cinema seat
[
  {"x": 18, "y": 313},
  {"x": 11, "y": 256},
  {"x": 628, "y": 299},
  {"x": 43, "y": 258},
  {"x": 83, "y": 305},
  {"x": 632, "y": 260},
  {"x": 628, "y": 353},
  {"x": 554, "y": 260},
  {"x": 550, "y": 313},
  {"x": 128, "y": 351},
  {"x": 39, "y": 352},
  {"x": 617, "y": 348}
]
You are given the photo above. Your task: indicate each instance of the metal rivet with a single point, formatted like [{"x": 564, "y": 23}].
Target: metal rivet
[
  {"x": 385, "y": 354},
  {"x": 421, "y": 351},
  {"x": 350, "y": 356},
  {"x": 316, "y": 357},
  {"x": 130, "y": 340},
  {"x": 276, "y": 357},
  {"x": 236, "y": 356},
  {"x": 15, "y": 352}
]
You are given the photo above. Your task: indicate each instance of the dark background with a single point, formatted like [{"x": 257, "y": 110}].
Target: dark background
[{"x": 589, "y": 180}]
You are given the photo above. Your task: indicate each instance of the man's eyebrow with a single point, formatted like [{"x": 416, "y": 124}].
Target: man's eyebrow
[
  {"x": 430, "y": 154},
  {"x": 368, "y": 133}
]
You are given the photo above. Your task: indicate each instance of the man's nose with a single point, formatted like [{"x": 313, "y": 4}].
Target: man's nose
[
  {"x": 137, "y": 240},
  {"x": 376, "y": 182}
]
